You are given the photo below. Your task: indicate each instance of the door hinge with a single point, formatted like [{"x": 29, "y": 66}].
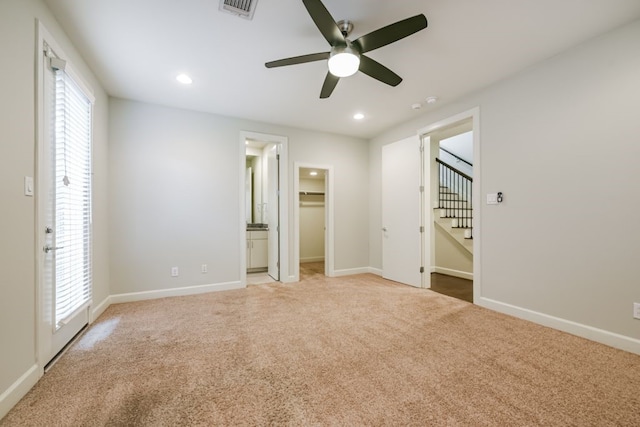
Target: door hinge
[
  {"x": 277, "y": 156},
  {"x": 421, "y": 269},
  {"x": 422, "y": 188},
  {"x": 422, "y": 228}
]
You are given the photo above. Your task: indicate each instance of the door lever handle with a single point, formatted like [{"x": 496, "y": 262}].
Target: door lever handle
[
  {"x": 49, "y": 248},
  {"x": 384, "y": 228}
]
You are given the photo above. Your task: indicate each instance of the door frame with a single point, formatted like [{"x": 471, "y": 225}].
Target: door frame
[
  {"x": 43, "y": 327},
  {"x": 329, "y": 267},
  {"x": 283, "y": 162},
  {"x": 423, "y": 133}
]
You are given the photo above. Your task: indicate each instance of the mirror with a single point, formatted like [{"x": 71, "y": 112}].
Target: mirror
[{"x": 256, "y": 182}]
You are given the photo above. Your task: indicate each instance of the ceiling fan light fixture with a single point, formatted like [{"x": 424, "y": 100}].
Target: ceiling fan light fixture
[{"x": 344, "y": 61}]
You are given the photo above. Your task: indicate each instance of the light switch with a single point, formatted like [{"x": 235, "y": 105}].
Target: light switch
[
  {"x": 28, "y": 186},
  {"x": 492, "y": 198}
]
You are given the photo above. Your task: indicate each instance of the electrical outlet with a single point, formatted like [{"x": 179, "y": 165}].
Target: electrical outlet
[
  {"x": 174, "y": 272},
  {"x": 203, "y": 269},
  {"x": 636, "y": 310}
]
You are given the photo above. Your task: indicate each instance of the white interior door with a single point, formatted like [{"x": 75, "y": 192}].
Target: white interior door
[
  {"x": 273, "y": 210},
  {"x": 401, "y": 212}
]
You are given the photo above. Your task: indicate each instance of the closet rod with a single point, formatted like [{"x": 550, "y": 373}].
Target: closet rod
[{"x": 311, "y": 193}]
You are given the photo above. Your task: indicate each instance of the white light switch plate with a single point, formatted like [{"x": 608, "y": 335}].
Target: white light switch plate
[
  {"x": 28, "y": 186},
  {"x": 636, "y": 310},
  {"x": 492, "y": 198}
]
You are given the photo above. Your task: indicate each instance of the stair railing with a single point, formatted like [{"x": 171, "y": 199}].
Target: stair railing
[{"x": 454, "y": 197}]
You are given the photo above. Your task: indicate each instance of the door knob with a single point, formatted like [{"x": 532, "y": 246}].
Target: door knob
[{"x": 384, "y": 228}]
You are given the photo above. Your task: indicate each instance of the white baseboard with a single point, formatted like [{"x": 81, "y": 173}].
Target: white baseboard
[
  {"x": 376, "y": 271},
  {"x": 99, "y": 309},
  {"x": 174, "y": 292},
  {"x": 18, "y": 389},
  {"x": 594, "y": 334},
  {"x": 312, "y": 259},
  {"x": 454, "y": 273},
  {"x": 351, "y": 271}
]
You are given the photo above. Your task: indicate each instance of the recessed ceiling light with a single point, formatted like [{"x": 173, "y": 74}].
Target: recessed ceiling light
[
  {"x": 358, "y": 116},
  {"x": 313, "y": 173},
  {"x": 432, "y": 100},
  {"x": 184, "y": 79}
]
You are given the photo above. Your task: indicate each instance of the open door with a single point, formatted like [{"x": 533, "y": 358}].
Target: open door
[
  {"x": 273, "y": 210},
  {"x": 402, "y": 227}
]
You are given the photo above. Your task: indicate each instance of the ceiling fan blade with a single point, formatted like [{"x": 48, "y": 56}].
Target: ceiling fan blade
[
  {"x": 378, "y": 71},
  {"x": 298, "y": 60},
  {"x": 329, "y": 85},
  {"x": 391, "y": 33},
  {"x": 324, "y": 21}
]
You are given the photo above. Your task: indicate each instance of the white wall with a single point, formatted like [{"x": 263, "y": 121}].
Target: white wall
[
  {"x": 558, "y": 248},
  {"x": 450, "y": 257},
  {"x": 461, "y": 145},
  {"x": 17, "y": 160},
  {"x": 175, "y": 189}
]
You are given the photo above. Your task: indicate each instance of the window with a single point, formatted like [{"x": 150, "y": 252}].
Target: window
[{"x": 71, "y": 159}]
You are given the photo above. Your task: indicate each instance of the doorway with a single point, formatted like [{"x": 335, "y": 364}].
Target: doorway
[
  {"x": 64, "y": 199},
  {"x": 312, "y": 191},
  {"x": 263, "y": 207},
  {"x": 452, "y": 209},
  {"x": 313, "y": 221}
]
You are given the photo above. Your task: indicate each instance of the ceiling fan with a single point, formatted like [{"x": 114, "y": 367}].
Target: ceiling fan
[{"x": 346, "y": 57}]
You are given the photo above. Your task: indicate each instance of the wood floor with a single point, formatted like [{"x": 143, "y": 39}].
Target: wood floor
[
  {"x": 440, "y": 283},
  {"x": 452, "y": 286}
]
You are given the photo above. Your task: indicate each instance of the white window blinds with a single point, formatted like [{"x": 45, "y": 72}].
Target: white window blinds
[{"x": 72, "y": 153}]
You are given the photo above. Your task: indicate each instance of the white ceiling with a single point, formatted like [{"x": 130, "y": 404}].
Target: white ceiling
[{"x": 137, "y": 47}]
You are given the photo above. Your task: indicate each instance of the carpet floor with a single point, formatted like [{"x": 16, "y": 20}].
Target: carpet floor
[{"x": 357, "y": 350}]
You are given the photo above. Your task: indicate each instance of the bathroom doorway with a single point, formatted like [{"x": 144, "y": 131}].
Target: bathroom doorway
[{"x": 263, "y": 208}]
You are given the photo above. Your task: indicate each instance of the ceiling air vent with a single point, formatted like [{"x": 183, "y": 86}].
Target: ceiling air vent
[{"x": 242, "y": 8}]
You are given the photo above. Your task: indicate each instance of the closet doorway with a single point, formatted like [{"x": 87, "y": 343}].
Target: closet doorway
[{"x": 313, "y": 221}]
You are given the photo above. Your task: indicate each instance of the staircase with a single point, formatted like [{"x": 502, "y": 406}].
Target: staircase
[{"x": 454, "y": 211}]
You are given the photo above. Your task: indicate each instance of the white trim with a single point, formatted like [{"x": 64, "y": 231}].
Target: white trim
[
  {"x": 329, "y": 267},
  {"x": 474, "y": 114},
  {"x": 454, "y": 273},
  {"x": 352, "y": 271},
  {"x": 588, "y": 332},
  {"x": 19, "y": 389},
  {"x": 69, "y": 69},
  {"x": 99, "y": 309},
  {"x": 376, "y": 271},
  {"x": 174, "y": 292},
  {"x": 311, "y": 259}
]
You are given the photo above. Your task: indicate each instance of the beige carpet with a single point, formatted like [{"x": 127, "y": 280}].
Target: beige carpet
[{"x": 350, "y": 351}]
